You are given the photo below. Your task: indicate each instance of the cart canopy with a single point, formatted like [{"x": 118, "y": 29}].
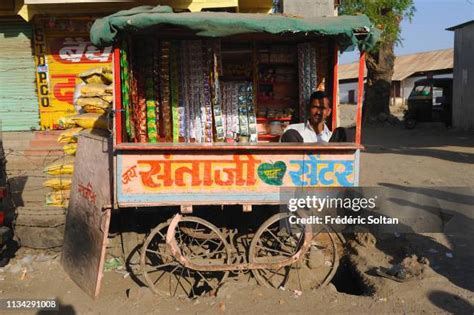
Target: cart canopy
[{"x": 221, "y": 24}]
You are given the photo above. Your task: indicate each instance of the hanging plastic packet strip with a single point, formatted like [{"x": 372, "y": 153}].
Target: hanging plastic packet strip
[
  {"x": 165, "y": 90},
  {"x": 234, "y": 99},
  {"x": 156, "y": 84},
  {"x": 302, "y": 109},
  {"x": 150, "y": 95},
  {"x": 197, "y": 90},
  {"x": 174, "y": 84},
  {"x": 142, "y": 121},
  {"x": 216, "y": 99},
  {"x": 125, "y": 85},
  {"x": 252, "y": 118},
  {"x": 312, "y": 68},
  {"x": 182, "y": 92},
  {"x": 223, "y": 107},
  {"x": 207, "y": 54},
  {"x": 135, "y": 109},
  {"x": 194, "y": 107},
  {"x": 185, "y": 123},
  {"x": 243, "y": 110}
]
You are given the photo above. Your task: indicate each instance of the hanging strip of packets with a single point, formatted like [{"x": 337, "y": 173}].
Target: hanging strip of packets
[{"x": 171, "y": 93}]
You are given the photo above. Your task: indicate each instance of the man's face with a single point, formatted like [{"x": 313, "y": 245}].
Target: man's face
[{"x": 319, "y": 110}]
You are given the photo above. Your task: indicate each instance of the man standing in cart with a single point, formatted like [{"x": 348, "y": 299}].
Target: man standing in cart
[{"x": 314, "y": 130}]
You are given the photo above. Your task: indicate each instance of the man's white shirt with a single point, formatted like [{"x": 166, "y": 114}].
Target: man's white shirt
[{"x": 309, "y": 135}]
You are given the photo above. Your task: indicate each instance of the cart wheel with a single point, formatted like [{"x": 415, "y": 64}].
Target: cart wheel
[
  {"x": 275, "y": 241},
  {"x": 166, "y": 276}
]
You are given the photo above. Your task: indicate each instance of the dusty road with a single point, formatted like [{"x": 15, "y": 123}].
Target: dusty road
[{"x": 422, "y": 157}]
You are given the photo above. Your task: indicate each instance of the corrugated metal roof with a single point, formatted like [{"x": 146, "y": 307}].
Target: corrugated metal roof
[
  {"x": 18, "y": 99},
  {"x": 406, "y": 65},
  {"x": 455, "y": 27}
]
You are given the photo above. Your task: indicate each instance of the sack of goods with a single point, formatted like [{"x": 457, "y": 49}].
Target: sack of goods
[
  {"x": 66, "y": 122},
  {"x": 58, "y": 198},
  {"x": 69, "y": 135},
  {"x": 97, "y": 75},
  {"x": 94, "y": 104},
  {"x": 96, "y": 90},
  {"x": 70, "y": 149},
  {"x": 59, "y": 169},
  {"x": 58, "y": 183},
  {"x": 91, "y": 120}
]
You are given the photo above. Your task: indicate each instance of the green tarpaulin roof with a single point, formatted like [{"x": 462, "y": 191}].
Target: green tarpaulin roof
[{"x": 106, "y": 30}]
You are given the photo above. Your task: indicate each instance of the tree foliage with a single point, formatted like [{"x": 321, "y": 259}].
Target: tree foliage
[{"x": 385, "y": 14}]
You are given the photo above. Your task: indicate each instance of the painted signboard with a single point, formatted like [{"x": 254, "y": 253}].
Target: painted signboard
[
  {"x": 230, "y": 178},
  {"x": 62, "y": 52}
]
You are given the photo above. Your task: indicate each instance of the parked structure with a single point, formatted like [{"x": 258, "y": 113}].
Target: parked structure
[
  {"x": 407, "y": 70},
  {"x": 463, "y": 92}
]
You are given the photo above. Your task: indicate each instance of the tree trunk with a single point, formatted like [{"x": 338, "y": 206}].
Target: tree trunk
[{"x": 380, "y": 65}]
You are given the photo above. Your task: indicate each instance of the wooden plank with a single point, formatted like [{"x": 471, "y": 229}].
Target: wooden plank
[
  {"x": 215, "y": 177},
  {"x": 157, "y": 147},
  {"x": 88, "y": 216}
]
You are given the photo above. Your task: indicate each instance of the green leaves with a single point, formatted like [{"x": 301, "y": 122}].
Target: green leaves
[{"x": 385, "y": 14}]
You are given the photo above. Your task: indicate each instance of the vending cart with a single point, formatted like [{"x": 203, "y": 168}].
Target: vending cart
[{"x": 200, "y": 102}]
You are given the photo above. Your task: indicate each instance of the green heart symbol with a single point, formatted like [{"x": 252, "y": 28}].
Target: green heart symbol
[{"x": 272, "y": 174}]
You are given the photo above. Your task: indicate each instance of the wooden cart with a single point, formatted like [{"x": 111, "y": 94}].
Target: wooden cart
[{"x": 189, "y": 255}]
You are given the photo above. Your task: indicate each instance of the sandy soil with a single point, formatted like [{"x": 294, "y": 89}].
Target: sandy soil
[{"x": 421, "y": 157}]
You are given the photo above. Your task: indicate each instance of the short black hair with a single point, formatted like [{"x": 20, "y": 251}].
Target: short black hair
[{"x": 318, "y": 95}]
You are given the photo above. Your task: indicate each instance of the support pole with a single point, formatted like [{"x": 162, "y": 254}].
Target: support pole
[
  {"x": 117, "y": 96},
  {"x": 335, "y": 86},
  {"x": 360, "y": 95}
]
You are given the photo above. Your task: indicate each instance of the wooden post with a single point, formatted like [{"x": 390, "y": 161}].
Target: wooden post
[{"x": 360, "y": 95}]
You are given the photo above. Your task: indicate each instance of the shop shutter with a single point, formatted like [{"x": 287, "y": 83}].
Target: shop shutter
[{"x": 18, "y": 98}]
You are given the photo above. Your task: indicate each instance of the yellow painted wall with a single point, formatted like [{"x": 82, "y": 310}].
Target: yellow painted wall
[
  {"x": 198, "y": 5},
  {"x": 255, "y": 6}
]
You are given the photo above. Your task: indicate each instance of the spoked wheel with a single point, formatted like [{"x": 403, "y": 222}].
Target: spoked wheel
[
  {"x": 163, "y": 274},
  {"x": 277, "y": 240},
  {"x": 166, "y": 276},
  {"x": 322, "y": 259}
]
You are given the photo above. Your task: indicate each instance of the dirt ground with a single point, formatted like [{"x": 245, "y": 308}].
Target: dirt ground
[{"x": 426, "y": 156}]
